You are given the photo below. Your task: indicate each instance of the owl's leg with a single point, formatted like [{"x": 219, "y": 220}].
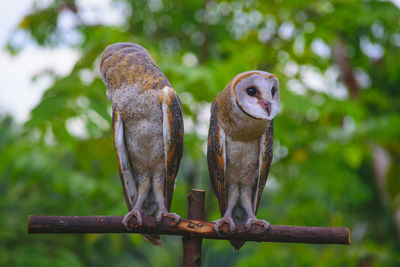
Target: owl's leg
[
  {"x": 251, "y": 218},
  {"x": 159, "y": 188},
  {"x": 233, "y": 196},
  {"x": 143, "y": 190}
]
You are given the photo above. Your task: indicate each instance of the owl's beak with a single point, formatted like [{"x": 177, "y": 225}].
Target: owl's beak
[{"x": 265, "y": 106}]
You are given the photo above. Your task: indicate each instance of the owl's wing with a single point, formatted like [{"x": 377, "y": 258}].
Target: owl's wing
[
  {"x": 266, "y": 143},
  {"x": 173, "y": 139},
  {"x": 128, "y": 177},
  {"x": 216, "y": 157}
]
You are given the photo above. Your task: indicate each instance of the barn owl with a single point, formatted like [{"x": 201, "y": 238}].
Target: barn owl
[
  {"x": 148, "y": 131},
  {"x": 239, "y": 149}
]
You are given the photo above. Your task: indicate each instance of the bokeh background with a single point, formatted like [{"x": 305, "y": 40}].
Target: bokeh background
[{"x": 337, "y": 136}]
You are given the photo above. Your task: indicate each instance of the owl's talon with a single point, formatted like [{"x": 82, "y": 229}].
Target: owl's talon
[
  {"x": 167, "y": 214},
  {"x": 220, "y": 222},
  {"x": 133, "y": 213},
  {"x": 264, "y": 224}
]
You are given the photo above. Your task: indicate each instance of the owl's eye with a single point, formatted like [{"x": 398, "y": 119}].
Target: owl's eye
[
  {"x": 251, "y": 91},
  {"x": 273, "y": 91}
]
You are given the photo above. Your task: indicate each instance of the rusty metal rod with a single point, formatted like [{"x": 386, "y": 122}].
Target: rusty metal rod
[
  {"x": 191, "y": 228},
  {"x": 192, "y": 245}
]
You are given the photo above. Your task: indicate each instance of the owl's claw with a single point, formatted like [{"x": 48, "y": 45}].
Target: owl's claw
[
  {"x": 171, "y": 215},
  {"x": 133, "y": 213},
  {"x": 264, "y": 224},
  {"x": 220, "y": 222}
]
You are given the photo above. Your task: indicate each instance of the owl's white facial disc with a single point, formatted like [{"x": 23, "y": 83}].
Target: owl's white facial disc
[{"x": 257, "y": 94}]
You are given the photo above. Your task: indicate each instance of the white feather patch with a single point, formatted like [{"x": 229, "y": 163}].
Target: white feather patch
[
  {"x": 166, "y": 136},
  {"x": 128, "y": 179},
  {"x": 260, "y": 158},
  {"x": 222, "y": 142}
]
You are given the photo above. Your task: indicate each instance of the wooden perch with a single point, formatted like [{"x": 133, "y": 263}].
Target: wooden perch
[
  {"x": 192, "y": 245},
  {"x": 188, "y": 228}
]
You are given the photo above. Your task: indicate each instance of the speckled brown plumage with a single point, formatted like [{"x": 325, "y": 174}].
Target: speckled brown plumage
[
  {"x": 175, "y": 144},
  {"x": 127, "y": 63}
]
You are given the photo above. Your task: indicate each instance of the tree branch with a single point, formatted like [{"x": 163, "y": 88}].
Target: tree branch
[
  {"x": 346, "y": 70},
  {"x": 192, "y": 228}
]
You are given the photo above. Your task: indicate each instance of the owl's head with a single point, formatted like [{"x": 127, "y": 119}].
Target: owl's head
[{"x": 257, "y": 94}]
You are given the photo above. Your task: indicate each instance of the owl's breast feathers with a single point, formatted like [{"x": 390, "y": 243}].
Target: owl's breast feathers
[{"x": 127, "y": 64}]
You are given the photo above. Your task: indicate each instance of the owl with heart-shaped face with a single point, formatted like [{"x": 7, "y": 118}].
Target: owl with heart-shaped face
[{"x": 240, "y": 143}]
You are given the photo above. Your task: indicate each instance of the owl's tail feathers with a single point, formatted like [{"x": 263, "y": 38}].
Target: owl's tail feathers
[
  {"x": 239, "y": 215},
  {"x": 153, "y": 239},
  {"x": 237, "y": 244}
]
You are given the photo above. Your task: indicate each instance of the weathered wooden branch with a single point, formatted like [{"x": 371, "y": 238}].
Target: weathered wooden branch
[
  {"x": 192, "y": 245},
  {"x": 189, "y": 228}
]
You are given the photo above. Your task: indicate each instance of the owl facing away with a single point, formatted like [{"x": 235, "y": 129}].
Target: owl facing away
[
  {"x": 239, "y": 151},
  {"x": 148, "y": 131}
]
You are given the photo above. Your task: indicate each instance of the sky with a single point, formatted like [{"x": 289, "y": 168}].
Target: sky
[{"x": 18, "y": 93}]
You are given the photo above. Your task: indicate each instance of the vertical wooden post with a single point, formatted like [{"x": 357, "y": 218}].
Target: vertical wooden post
[{"x": 192, "y": 246}]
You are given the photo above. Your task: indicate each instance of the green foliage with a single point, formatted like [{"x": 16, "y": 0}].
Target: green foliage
[{"x": 324, "y": 171}]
